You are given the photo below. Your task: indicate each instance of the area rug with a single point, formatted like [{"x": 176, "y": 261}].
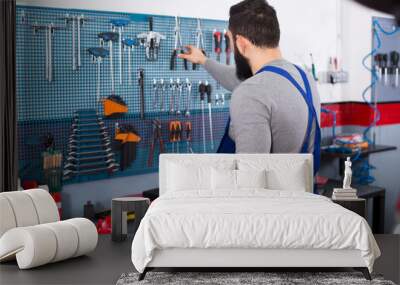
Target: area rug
[{"x": 244, "y": 278}]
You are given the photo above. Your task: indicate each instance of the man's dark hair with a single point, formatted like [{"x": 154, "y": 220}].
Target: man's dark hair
[{"x": 255, "y": 20}]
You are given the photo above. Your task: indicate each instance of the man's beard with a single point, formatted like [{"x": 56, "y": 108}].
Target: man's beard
[{"x": 243, "y": 70}]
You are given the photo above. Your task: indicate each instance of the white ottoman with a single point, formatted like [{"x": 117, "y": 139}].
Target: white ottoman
[{"x": 31, "y": 232}]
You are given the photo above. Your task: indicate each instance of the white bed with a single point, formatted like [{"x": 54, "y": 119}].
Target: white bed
[{"x": 200, "y": 223}]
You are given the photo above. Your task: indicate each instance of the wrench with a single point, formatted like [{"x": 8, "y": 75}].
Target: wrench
[
  {"x": 180, "y": 89},
  {"x": 162, "y": 86},
  {"x": 189, "y": 95},
  {"x": 155, "y": 94},
  {"x": 172, "y": 98}
]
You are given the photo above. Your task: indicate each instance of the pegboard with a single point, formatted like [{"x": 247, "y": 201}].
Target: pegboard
[
  {"x": 48, "y": 107},
  {"x": 387, "y": 91}
]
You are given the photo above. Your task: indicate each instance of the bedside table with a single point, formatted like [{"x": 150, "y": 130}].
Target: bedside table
[
  {"x": 357, "y": 206},
  {"x": 119, "y": 210}
]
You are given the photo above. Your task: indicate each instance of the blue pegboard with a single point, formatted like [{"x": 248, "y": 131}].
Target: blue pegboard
[
  {"x": 387, "y": 92},
  {"x": 48, "y": 107}
]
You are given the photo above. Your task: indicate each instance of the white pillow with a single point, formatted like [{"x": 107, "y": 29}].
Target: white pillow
[
  {"x": 293, "y": 178},
  {"x": 182, "y": 178},
  {"x": 223, "y": 179},
  {"x": 251, "y": 178}
]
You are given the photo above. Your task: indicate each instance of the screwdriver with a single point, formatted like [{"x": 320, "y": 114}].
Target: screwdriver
[
  {"x": 394, "y": 59},
  {"x": 385, "y": 71},
  {"x": 217, "y": 44},
  {"x": 378, "y": 64},
  {"x": 202, "y": 91},
  {"x": 188, "y": 137},
  {"x": 227, "y": 48},
  {"x": 208, "y": 91}
]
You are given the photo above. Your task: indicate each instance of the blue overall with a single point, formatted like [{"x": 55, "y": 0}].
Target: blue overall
[{"x": 228, "y": 145}]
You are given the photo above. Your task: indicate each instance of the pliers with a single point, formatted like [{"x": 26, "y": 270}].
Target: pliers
[
  {"x": 178, "y": 46},
  {"x": 157, "y": 137},
  {"x": 199, "y": 41}
]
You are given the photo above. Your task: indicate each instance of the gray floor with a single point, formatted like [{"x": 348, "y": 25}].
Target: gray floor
[
  {"x": 103, "y": 266},
  {"x": 110, "y": 260}
]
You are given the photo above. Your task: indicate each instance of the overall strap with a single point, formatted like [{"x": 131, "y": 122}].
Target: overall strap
[
  {"x": 317, "y": 138},
  {"x": 312, "y": 114}
]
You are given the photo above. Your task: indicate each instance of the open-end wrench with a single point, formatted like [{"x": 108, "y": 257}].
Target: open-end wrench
[
  {"x": 189, "y": 97},
  {"x": 155, "y": 94},
  {"x": 172, "y": 88},
  {"x": 180, "y": 89},
  {"x": 162, "y": 88}
]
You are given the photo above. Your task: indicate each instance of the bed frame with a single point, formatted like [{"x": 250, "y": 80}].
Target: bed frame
[{"x": 246, "y": 259}]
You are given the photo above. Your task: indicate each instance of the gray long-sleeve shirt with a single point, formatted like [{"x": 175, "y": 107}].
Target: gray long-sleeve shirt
[{"x": 268, "y": 114}]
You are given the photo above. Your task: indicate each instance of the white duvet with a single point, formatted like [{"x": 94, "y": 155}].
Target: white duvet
[{"x": 253, "y": 218}]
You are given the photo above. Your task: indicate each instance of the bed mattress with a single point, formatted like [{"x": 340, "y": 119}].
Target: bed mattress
[{"x": 250, "y": 219}]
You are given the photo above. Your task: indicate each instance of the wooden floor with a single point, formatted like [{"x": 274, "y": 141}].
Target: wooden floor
[{"x": 110, "y": 260}]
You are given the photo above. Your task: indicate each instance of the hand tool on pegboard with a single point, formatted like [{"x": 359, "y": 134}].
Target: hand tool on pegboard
[
  {"x": 127, "y": 138},
  {"x": 202, "y": 91},
  {"x": 156, "y": 95},
  {"x": 188, "y": 86},
  {"x": 129, "y": 44},
  {"x": 178, "y": 47},
  {"x": 77, "y": 22},
  {"x": 217, "y": 43},
  {"x": 210, "y": 121},
  {"x": 220, "y": 99},
  {"x": 385, "y": 68},
  {"x": 378, "y": 65},
  {"x": 394, "y": 59},
  {"x": 88, "y": 150},
  {"x": 179, "y": 86},
  {"x": 97, "y": 55},
  {"x": 141, "y": 92},
  {"x": 151, "y": 40},
  {"x": 163, "y": 94},
  {"x": 49, "y": 31},
  {"x": 49, "y": 53},
  {"x": 172, "y": 88},
  {"x": 178, "y": 135},
  {"x": 156, "y": 138},
  {"x": 188, "y": 136},
  {"x": 228, "y": 49},
  {"x": 109, "y": 37},
  {"x": 199, "y": 41},
  {"x": 119, "y": 24},
  {"x": 174, "y": 133}
]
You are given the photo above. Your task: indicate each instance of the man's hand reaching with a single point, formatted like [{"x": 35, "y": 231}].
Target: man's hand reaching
[{"x": 194, "y": 55}]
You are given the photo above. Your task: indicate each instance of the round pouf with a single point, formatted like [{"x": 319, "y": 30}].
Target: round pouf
[{"x": 119, "y": 210}]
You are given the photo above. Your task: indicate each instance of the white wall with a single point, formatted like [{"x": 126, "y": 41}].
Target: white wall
[
  {"x": 357, "y": 42},
  {"x": 308, "y": 26},
  {"x": 211, "y": 9}
]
